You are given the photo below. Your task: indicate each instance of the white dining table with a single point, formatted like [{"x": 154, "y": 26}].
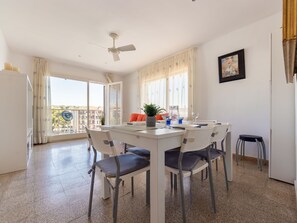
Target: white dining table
[{"x": 157, "y": 141}]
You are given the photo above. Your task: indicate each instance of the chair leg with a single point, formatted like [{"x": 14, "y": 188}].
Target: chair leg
[
  {"x": 242, "y": 150},
  {"x": 217, "y": 166},
  {"x": 264, "y": 151},
  {"x": 182, "y": 195},
  {"x": 132, "y": 186},
  {"x": 91, "y": 191},
  {"x": 175, "y": 181},
  {"x": 171, "y": 180},
  {"x": 225, "y": 170},
  {"x": 237, "y": 150},
  {"x": 260, "y": 156},
  {"x": 211, "y": 182},
  {"x": 191, "y": 180},
  {"x": 148, "y": 187},
  {"x": 115, "y": 201}
]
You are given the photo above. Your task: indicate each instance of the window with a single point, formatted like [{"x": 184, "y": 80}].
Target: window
[
  {"x": 156, "y": 92},
  {"x": 167, "y": 92},
  {"x": 168, "y": 83},
  {"x": 74, "y": 104},
  {"x": 178, "y": 93}
]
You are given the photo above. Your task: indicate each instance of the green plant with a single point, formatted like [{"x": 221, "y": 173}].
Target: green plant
[
  {"x": 102, "y": 120},
  {"x": 152, "y": 109}
]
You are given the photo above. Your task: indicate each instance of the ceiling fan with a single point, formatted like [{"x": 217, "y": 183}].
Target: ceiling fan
[{"x": 116, "y": 50}]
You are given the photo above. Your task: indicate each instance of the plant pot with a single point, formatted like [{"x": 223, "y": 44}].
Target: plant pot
[{"x": 150, "y": 121}]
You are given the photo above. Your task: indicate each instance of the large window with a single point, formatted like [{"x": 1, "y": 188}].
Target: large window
[
  {"x": 178, "y": 92},
  {"x": 167, "y": 92},
  {"x": 168, "y": 83},
  {"x": 74, "y": 104}
]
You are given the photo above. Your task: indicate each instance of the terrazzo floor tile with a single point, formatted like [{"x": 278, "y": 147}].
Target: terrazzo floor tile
[{"x": 55, "y": 189}]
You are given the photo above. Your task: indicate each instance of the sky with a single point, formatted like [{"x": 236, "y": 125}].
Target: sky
[{"x": 74, "y": 93}]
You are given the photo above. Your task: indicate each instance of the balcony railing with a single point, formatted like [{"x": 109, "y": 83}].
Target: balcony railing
[{"x": 74, "y": 121}]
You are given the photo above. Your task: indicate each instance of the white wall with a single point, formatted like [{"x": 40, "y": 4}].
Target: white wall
[
  {"x": 4, "y": 51},
  {"x": 244, "y": 103},
  {"x": 61, "y": 69},
  {"x": 25, "y": 63},
  {"x": 131, "y": 96}
]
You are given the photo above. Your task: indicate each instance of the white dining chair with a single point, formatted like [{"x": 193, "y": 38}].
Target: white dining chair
[
  {"x": 89, "y": 138},
  {"x": 218, "y": 137},
  {"x": 184, "y": 164},
  {"x": 115, "y": 168}
]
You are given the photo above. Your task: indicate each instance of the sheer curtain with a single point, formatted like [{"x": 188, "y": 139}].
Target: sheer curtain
[
  {"x": 40, "y": 118},
  {"x": 169, "y": 82}
]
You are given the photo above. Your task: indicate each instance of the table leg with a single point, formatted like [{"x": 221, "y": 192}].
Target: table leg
[
  {"x": 229, "y": 158},
  {"x": 157, "y": 186}
]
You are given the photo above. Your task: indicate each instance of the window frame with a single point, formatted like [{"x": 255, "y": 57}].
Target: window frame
[
  {"x": 167, "y": 89},
  {"x": 87, "y": 81}
]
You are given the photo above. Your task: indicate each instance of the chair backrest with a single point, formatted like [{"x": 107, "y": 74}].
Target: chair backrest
[
  {"x": 88, "y": 135},
  {"x": 220, "y": 132},
  {"x": 196, "y": 139},
  {"x": 102, "y": 142}
]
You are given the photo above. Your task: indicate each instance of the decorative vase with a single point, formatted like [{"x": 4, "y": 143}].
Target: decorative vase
[{"x": 150, "y": 121}]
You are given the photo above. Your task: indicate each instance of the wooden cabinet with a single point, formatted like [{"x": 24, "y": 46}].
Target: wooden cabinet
[{"x": 16, "y": 121}]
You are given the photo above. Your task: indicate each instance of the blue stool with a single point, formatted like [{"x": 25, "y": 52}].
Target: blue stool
[{"x": 260, "y": 145}]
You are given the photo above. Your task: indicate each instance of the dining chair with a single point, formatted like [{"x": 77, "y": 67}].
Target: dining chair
[
  {"x": 115, "y": 168},
  {"x": 218, "y": 137},
  {"x": 144, "y": 153},
  {"x": 184, "y": 164},
  {"x": 89, "y": 138}
]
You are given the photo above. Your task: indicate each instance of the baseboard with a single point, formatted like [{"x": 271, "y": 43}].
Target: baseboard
[{"x": 249, "y": 158}]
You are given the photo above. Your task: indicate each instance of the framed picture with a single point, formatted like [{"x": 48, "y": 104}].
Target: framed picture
[{"x": 231, "y": 66}]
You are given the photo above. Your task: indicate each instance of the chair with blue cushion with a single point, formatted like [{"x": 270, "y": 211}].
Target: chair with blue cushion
[
  {"x": 89, "y": 138},
  {"x": 114, "y": 168},
  {"x": 184, "y": 163},
  {"x": 218, "y": 137},
  {"x": 144, "y": 153}
]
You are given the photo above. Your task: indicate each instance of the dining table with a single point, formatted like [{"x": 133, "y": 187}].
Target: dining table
[{"x": 157, "y": 140}]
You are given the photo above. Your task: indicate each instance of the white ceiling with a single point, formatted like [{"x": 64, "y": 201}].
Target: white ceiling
[{"x": 61, "y": 30}]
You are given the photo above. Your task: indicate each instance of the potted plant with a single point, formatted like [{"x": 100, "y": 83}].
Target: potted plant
[
  {"x": 151, "y": 110},
  {"x": 102, "y": 120}
]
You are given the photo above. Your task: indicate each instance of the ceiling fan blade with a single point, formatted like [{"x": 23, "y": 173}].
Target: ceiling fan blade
[
  {"x": 130, "y": 47},
  {"x": 116, "y": 56}
]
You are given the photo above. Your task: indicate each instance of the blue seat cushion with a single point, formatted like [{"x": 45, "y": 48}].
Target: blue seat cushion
[
  {"x": 128, "y": 164},
  {"x": 139, "y": 151},
  {"x": 214, "y": 153},
  {"x": 189, "y": 160},
  {"x": 250, "y": 138}
]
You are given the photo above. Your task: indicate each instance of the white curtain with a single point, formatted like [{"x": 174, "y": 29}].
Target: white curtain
[
  {"x": 169, "y": 82},
  {"x": 40, "y": 118}
]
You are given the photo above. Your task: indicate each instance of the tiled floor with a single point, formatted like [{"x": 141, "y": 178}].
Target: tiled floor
[{"x": 55, "y": 188}]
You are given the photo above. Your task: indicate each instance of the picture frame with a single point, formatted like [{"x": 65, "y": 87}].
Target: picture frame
[{"x": 231, "y": 66}]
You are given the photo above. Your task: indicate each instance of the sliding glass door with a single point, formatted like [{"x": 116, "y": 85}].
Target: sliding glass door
[
  {"x": 74, "y": 104},
  {"x": 96, "y": 105},
  {"x": 114, "y": 103}
]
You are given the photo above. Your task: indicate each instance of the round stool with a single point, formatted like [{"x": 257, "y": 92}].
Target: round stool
[{"x": 260, "y": 145}]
